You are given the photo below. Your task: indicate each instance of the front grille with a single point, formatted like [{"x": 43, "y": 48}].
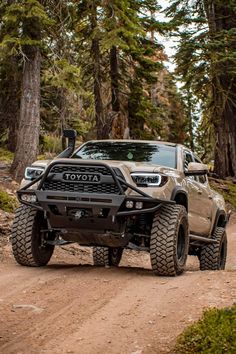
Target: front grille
[
  {"x": 81, "y": 169},
  {"x": 80, "y": 187},
  {"x": 56, "y": 183}
]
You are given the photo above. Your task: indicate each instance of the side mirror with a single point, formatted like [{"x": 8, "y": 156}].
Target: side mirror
[
  {"x": 196, "y": 169},
  {"x": 70, "y": 134}
]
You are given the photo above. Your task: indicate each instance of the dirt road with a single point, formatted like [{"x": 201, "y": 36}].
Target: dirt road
[{"x": 71, "y": 306}]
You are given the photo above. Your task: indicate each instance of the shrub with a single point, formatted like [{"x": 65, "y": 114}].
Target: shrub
[
  {"x": 5, "y": 155},
  {"x": 50, "y": 144},
  {"x": 226, "y": 188},
  {"x": 7, "y": 202},
  {"x": 214, "y": 333}
]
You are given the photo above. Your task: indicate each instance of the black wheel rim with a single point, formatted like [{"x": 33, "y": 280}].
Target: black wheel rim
[
  {"x": 222, "y": 255},
  {"x": 41, "y": 249},
  {"x": 114, "y": 252},
  {"x": 181, "y": 243}
]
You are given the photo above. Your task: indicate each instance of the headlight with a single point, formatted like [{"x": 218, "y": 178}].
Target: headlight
[
  {"x": 146, "y": 179},
  {"x": 33, "y": 172}
]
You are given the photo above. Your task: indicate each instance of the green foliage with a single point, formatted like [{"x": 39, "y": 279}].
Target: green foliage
[
  {"x": 227, "y": 188},
  {"x": 5, "y": 155},
  {"x": 215, "y": 333},
  {"x": 62, "y": 74},
  {"x": 142, "y": 112},
  {"x": 64, "y": 31},
  {"x": 23, "y": 25},
  {"x": 50, "y": 144},
  {"x": 7, "y": 202}
]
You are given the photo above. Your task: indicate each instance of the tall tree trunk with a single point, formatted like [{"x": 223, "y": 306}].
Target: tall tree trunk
[
  {"x": 12, "y": 109},
  {"x": 29, "y": 124},
  {"x": 118, "y": 122},
  {"x": 225, "y": 150},
  {"x": 97, "y": 77},
  {"x": 63, "y": 114},
  {"x": 114, "y": 74},
  {"x": 190, "y": 119},
  {"x": 97, "y": 89},
  {"x": 9, "y": 103},
  {"x": 221, "y": 18}
]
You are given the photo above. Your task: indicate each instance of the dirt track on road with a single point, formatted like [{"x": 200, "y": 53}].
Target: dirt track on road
[{"x": 71, "y": 306}]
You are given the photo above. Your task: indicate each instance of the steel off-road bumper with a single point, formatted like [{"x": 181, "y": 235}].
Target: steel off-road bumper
[{"x": 90, "y": 219}]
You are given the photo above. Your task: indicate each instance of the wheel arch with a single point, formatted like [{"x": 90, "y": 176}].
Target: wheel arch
[
  {"x": 220, "y": 220},
  {"x": 180, "y": 196}
]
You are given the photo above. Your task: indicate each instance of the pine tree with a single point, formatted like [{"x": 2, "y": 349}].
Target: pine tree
[
  {"x": 9, "y": 82},
  {"x": 26, "y": 21}
]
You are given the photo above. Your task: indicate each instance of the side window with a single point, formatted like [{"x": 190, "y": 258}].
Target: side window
[
  {"x": 201, "y": 179},
  {"x": 188, "y": 157}
]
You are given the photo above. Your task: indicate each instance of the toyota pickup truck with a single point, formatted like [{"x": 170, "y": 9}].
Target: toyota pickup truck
[{"x": 113, "y": 195}]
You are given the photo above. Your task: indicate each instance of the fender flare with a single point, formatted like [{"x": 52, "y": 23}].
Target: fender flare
[
  {"x": 179, "y": 190},
  {"x": 220, "y": 214}
]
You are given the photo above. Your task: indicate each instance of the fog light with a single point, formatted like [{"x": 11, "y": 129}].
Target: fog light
[
  {"x": 129, "y": 204},
  {"x": 30, "y": 198},
  {"x": 139, "y": 205}
]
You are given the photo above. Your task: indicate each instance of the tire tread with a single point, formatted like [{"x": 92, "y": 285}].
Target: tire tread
[{"x": 162, "y": 243}]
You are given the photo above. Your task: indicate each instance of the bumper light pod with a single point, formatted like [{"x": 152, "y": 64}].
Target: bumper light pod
[
  {"x": 139, "y": 205},
  {"x": 129, "y": 204},
  {"x": 30, "y": 198}
]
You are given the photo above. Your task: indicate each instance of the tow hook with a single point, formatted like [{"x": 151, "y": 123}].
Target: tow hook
[{"x": 79, "y": 214}]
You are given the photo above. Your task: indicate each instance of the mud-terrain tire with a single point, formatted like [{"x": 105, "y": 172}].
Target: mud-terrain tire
[
  {"x": 213, "y": 256},
  {"x": 169, "y": 241},
  {"x": 103, "y": 256},
  {"x": 26, "y": 238}
]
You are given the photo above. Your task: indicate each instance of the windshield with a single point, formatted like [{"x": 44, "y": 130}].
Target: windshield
[{"x": 157, "y": 154}]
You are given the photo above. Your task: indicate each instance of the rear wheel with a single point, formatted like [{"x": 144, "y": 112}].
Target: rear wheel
[
  {"x": 169, "y": 240},
  {"x": 27, "y": 242},
  {"x": 103, "y": 256},
  {"x": 213, "y": 256}
]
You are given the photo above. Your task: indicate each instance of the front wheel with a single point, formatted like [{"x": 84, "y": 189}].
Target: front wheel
[
  {"x": 213, "y": 256},
  {"x": 103, "y": 256},
  {"x": 169, "y": 241},
  {"x": 27, "y": 243}
]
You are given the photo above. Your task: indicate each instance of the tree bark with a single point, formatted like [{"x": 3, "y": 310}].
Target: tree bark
[
  {"x": 9, "y": 104},
  {"x": 63, "y": 114},
  {"x": 221, "y": 17},
  {"x": 225, "y": 150},
  {"x": 12, "y": 109},
  {"x": 97, "y": 88},
  {"x": 118, "y": 122},
  {"x": 29, "y": 124},
  {"x": 97, "y": 76},
  {"x": 114, "y": 74},
  {"x": 190, "y": 119}
]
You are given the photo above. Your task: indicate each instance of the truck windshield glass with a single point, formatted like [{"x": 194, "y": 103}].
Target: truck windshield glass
[{"x": 157, "y": 154}]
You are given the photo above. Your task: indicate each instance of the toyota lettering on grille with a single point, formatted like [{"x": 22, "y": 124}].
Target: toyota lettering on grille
[{"x": 82, "y": 177}]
